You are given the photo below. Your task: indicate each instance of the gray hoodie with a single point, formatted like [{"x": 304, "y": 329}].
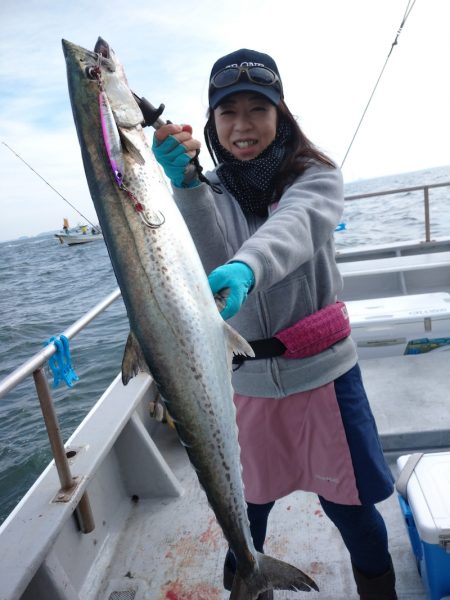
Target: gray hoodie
[{"x": 292, "y": 256}]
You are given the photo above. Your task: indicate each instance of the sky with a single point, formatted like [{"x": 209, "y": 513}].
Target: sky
[{"x": 329, "y": 54}]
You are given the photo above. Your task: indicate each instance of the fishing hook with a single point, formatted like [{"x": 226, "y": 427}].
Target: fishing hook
[
  {"x": 153, "y": 225},
  {"x": 153, "y": 220}
]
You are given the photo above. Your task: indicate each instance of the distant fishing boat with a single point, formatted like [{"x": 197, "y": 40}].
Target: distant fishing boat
[{"x": 82, "y": 234}]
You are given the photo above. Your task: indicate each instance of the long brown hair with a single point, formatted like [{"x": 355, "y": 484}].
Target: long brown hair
[{"x": 300, "y": 150}]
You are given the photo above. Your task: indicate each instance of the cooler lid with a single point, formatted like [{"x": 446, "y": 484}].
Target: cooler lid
[
  {"x": 415, "y": 307},
  {"x": 429, "y": 495}
]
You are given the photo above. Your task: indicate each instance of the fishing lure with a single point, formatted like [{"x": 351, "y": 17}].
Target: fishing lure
[
  {"x": 113, "y": 146},
  {"x": 111, "y": 138}
]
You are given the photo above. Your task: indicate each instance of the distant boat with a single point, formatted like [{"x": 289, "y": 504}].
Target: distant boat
[{"x": 82, "y": 234}]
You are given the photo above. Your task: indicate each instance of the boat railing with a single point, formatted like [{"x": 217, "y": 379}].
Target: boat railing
[
  {"x": 426, "y": 200},
  {"x": 35, "y": 367}
]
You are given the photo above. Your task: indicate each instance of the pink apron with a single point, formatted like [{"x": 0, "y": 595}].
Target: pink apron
[{"x": 295, "y": 443}]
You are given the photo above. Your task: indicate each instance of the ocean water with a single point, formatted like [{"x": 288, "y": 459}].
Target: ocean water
[{"x": 45, "y": 287}]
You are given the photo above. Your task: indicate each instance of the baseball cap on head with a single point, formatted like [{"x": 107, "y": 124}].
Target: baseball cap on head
[{"x": 245, "y": 71}]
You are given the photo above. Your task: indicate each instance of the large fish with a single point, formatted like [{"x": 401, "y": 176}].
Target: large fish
[{"x": 176, "y": 330}]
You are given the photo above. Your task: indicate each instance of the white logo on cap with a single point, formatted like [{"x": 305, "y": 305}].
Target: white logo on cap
[{"x": 245, "y": 64}]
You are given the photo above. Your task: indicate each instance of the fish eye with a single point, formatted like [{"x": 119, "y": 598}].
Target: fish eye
[{"x": 91, "y": 72}]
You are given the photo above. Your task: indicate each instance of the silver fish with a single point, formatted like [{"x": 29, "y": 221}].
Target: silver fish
[{"x": 176, "y": 330}]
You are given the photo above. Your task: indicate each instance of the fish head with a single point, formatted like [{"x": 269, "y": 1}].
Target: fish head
[
  {"x": 88, "y": 65},
  {"x": 99, "y": 69},
  {"x": 79, "y": 63}
]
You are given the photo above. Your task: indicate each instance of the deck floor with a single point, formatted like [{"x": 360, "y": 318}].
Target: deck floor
[{"x": 174, "y": 549}]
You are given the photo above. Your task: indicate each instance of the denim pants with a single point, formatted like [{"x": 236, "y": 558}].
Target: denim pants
[{"x": 362, "y": 529}]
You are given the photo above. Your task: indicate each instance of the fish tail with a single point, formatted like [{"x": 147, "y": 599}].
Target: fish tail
[{"x": 270, "y": 574}]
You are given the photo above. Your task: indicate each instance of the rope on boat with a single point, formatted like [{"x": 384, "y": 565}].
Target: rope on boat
[{"x": 409, "y": 7}]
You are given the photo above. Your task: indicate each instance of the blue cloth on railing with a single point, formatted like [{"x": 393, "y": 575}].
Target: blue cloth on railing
[{"x": 61, "y": 363}]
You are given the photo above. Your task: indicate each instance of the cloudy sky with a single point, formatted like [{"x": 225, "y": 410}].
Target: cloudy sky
[{"x": 329, "y": 52}]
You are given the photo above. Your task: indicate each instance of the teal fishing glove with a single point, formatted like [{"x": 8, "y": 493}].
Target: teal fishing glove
[
  {"x": 238, "y": 278},
  {"x": 172, "y": 156}
]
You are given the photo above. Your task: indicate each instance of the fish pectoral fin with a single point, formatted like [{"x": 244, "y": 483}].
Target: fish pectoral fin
[
  {"x": 126, "y": 137},
  {"x": 236, "y": 344},
  {"x": 133, "y": 360}
]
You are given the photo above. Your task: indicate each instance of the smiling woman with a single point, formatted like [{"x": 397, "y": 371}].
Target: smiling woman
[
  {"x": 246, "y": 124},
  {"x": 264, "y": 230}
]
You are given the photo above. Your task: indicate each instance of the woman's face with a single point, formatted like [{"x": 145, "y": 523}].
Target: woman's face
[{"x": 246, "y": 124}]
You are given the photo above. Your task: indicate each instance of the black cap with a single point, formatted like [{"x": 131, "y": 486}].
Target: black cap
[{"x": 245, "y": 58}]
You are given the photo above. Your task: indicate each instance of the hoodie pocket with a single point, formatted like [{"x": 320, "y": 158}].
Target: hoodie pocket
[{"x": 288, "y": 302}]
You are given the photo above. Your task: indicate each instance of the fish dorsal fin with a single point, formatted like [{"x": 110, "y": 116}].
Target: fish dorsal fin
[
  {"x": 133, "y": 359},
  {"x": 126, "y": 137},
  {"x": 236, "y": 344}
]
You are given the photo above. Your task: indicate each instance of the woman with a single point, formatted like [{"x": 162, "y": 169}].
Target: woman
[{"x": 263, "y": 224}]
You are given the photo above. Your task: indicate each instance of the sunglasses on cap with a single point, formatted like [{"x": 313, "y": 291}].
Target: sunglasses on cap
[{"x": 231, "y": 75}]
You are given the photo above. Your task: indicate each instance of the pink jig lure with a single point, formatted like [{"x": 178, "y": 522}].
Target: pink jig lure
[{"x": 111, "y": 138}]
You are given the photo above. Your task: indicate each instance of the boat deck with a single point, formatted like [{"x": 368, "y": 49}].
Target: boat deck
[
  {"x": 151, "y": 543},
  {"x": 172, "y": 549}
]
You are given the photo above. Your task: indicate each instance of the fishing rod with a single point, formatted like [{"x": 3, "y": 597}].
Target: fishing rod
[
  {"x": 408, "y": 10},
  {"x": 50, "y": 186}
]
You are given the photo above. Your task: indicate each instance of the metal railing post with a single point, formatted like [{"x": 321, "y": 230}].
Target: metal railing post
[
  {"x": 68, "y": 482},
  {"x": 426, "y": 203}
]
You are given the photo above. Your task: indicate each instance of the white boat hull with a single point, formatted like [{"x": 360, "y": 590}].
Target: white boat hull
[{"x": 75, "y": 239}]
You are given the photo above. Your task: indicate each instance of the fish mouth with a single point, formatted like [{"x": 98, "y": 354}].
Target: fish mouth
[
  {"x": 102, "y": 47},
  {"x": 100, "y": 56}
]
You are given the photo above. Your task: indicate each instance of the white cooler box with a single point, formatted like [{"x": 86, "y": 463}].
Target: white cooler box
[
  {"x": 384, "y": 326},
  {"x": 427, "y": 516}
]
